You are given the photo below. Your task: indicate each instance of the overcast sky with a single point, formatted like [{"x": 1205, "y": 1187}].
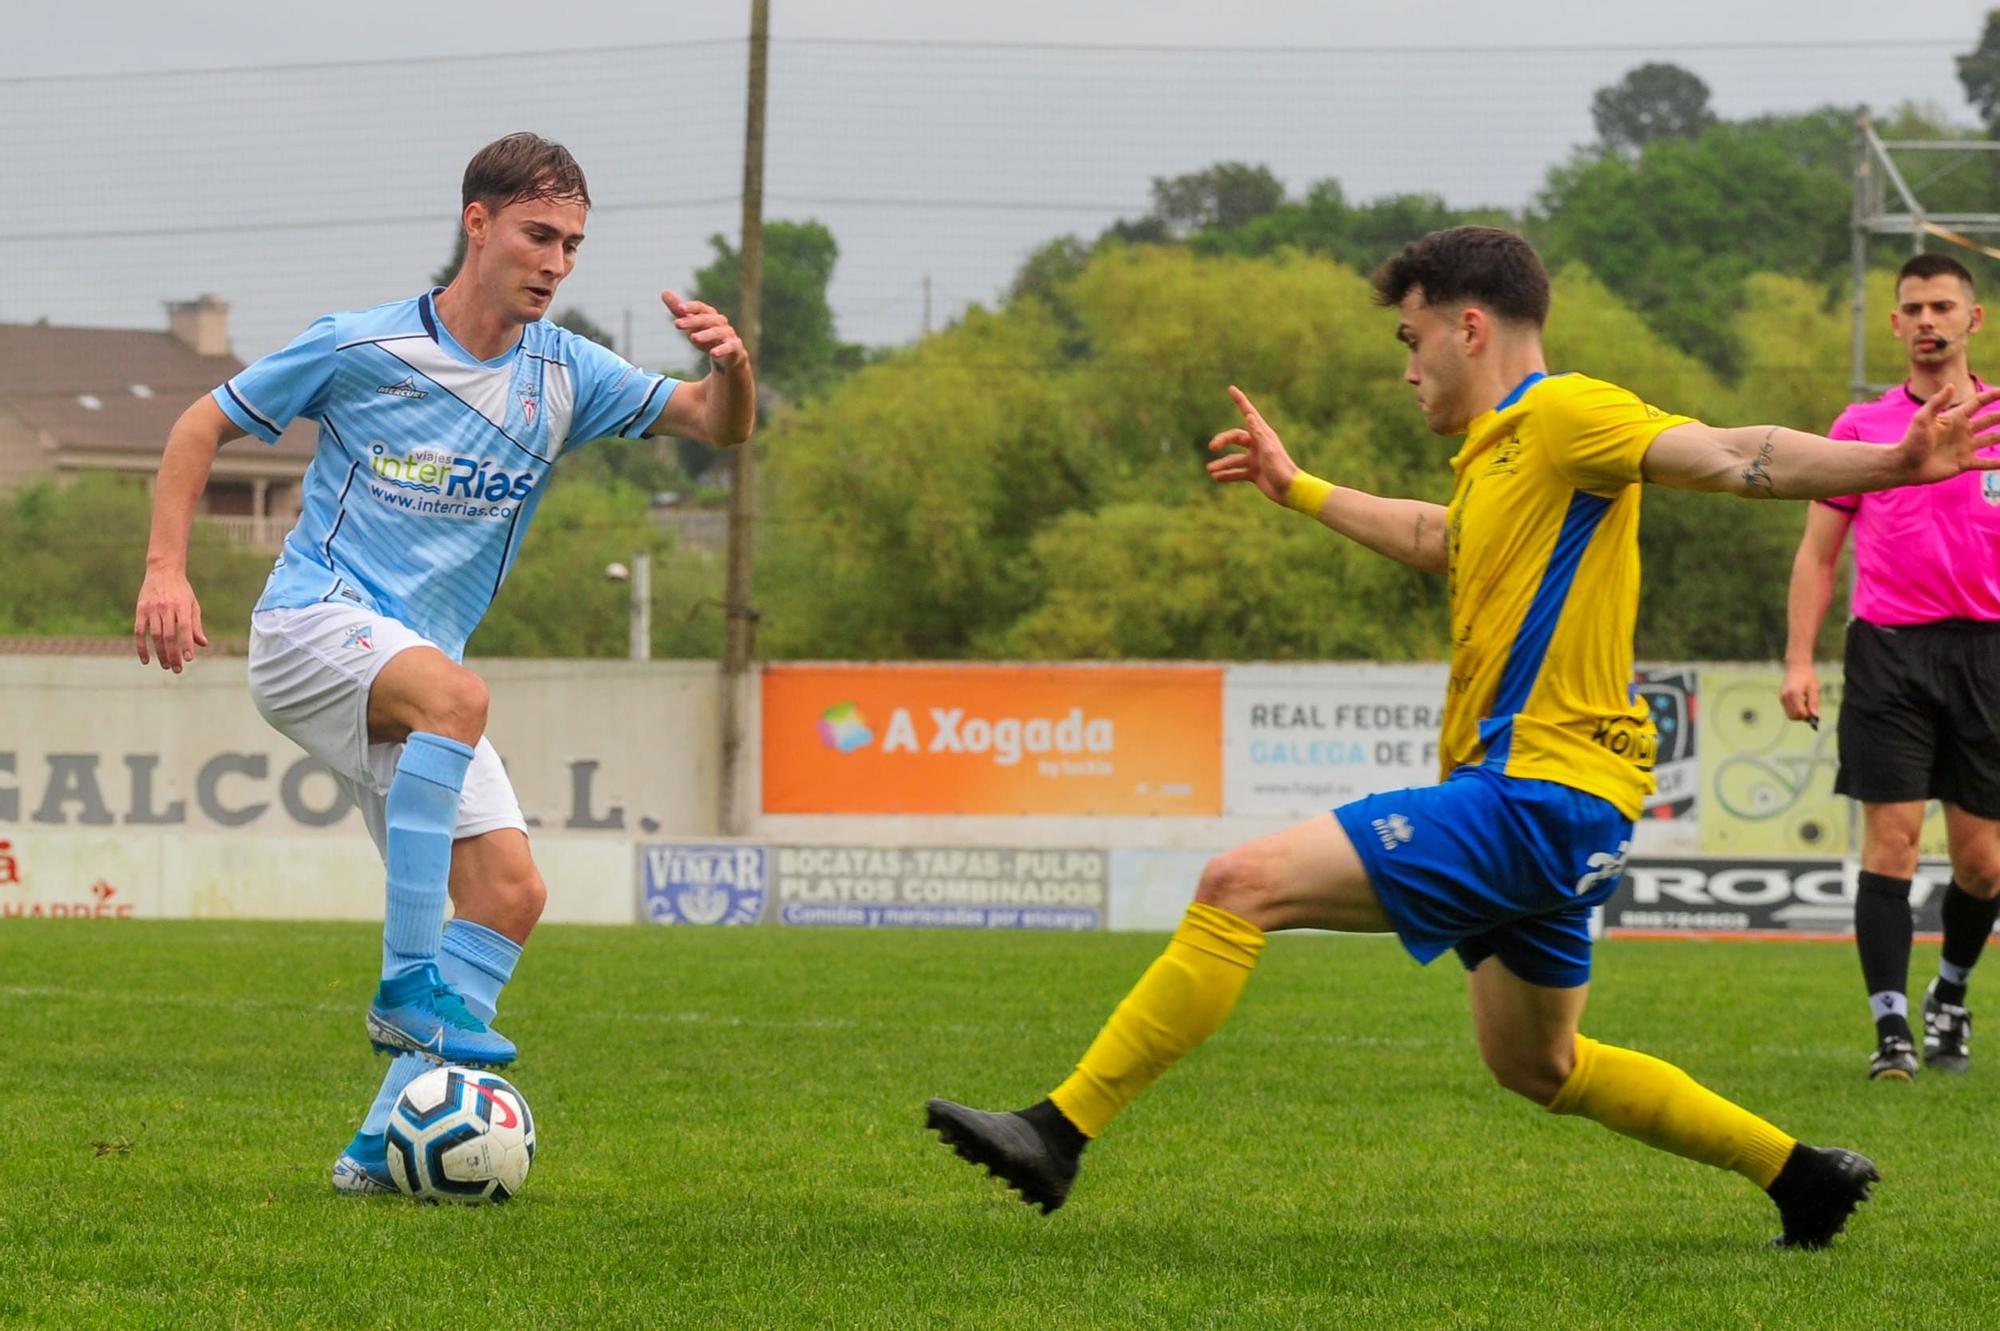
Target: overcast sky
[{"x": 317, "y": 167}]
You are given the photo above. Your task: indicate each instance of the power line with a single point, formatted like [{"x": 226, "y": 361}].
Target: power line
[{"x": 980, "y": 44}]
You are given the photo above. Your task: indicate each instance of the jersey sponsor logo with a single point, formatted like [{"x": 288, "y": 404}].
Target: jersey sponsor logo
[
  {"x": 1623, "y": 737},
  {"x": 408, "y": 388},
  {"x": 703, "y": 884},
  {"x": 1605, "y": 867},
  {"x": 436, "y": 472},
  {"x": 1393, "y": 830}
]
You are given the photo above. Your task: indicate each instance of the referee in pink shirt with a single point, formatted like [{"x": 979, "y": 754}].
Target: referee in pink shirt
[{"x": 1919, "y": 719}]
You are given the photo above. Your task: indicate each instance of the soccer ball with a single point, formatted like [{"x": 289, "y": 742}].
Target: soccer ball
[{"x": 460, "y": 1135}]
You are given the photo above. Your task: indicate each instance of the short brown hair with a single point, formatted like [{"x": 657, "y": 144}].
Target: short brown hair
[
  {"x": 522, "y": 166},
  {"x": 1483, "y": 265},
  {"x": 1924, "y": 266}
]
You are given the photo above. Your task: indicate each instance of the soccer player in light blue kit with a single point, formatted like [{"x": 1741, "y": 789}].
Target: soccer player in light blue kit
[{"x": 439, "y": 418}]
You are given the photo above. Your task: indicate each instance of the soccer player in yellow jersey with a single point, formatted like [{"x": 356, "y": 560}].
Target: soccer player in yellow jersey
[{"x": 1547, "y": 752}]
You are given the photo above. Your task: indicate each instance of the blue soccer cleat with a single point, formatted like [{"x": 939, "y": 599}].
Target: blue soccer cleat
[
  {"x": 418, "y": 1013},
  {"x": 363, "y": 1167}
]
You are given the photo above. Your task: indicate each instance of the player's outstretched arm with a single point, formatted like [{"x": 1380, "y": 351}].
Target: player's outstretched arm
[
  {"x": 168, "y": 619},
  {"x": 1771, "y": 462},
  {"x": 1408, "y": 530},
  {"x": 721, "y": 407}
]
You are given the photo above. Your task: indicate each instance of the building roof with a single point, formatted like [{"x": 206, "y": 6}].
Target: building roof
[{"x": 47, "y": 373}]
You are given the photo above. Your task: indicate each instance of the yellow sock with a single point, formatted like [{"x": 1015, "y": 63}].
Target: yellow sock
[
  {"x": 1662, "y": 1106},
  {"x": 1177, "y": 1004}
]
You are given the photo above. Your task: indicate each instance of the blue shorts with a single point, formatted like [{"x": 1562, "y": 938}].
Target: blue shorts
[{"x": 1493, "y": 865}]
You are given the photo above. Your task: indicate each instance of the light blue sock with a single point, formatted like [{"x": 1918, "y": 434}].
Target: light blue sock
[
  {"x": 422, "y": 812},
  {"x": 478, "y": 963}
]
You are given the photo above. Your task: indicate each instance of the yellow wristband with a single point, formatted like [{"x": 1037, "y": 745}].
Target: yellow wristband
[{"x": 1306, "y": 494}]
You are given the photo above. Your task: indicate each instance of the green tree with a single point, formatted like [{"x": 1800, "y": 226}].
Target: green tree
[
  {"x": 76, "y": 554},
  {"x": 1979, "y": 72},
  {"x": 1358, "y": 235},
  {"x": 1677, "y": 229},
  {"x": 799, "y": 352},
  {"x": 557, "y": 601},
  {"x": 1652, "y": 102},
  {"x": 1225, "y": 195}
]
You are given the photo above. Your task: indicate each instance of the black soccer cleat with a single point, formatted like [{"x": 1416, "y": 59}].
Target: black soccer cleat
[
  {"x": 1011, "y": 1148},
  {"x": 1894, "y": 1059},
  {"x": 1947, "y": 1034},
  {"x": 1817, "y": 1190}
]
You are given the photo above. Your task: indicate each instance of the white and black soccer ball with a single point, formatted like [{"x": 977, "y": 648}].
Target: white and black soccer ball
[{"x": 460, "y": 1135}]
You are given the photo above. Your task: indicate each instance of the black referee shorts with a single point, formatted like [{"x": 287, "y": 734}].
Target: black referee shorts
[{"x": 1920, "y": 714}]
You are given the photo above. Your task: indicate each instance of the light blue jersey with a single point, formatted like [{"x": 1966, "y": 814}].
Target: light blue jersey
[{"x": 430, "y": 461}]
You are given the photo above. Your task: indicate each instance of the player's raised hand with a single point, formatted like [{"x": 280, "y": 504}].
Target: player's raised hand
[
  {"x": 1263, "y": 461},
  {"x": 1944, "y": 438},
  {"x": 168, "y": 619},
  {"x": 708, "y": 328}
]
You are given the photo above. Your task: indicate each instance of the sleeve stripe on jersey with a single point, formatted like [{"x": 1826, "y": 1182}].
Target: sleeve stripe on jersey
[
  {"x": 1538, "y": 626},
  {"x": 1845, "y": 508},
  {"x": 249, "y": 410},
  {"x": 424, "y": 313},
  {"x": 633, "y": 419}
]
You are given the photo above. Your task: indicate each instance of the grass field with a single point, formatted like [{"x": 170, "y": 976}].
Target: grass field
[{"x": 729, "y": 1138}]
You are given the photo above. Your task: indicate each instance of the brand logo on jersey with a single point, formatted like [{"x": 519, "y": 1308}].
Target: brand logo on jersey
[
  {"x": 1605, "y": 868},
  {"x": 1394, "y": 830},
  {"x": 408, "y": 388},
  {"x": 703, "y": 884},
  {"x": 446, "y": 474},
  {"x": 529, "y": 403},
  {"x": 1989, "y": 487},
  {"x": 360, "y": 638}
]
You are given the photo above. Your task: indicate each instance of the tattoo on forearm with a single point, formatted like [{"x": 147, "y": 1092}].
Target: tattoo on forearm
[
  {"x": 1757, "y": 476},
  {"x": 1417, "y": 539}
]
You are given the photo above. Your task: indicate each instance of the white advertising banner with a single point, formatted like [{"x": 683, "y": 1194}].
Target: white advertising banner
[{"x": 1300, "y": 739}]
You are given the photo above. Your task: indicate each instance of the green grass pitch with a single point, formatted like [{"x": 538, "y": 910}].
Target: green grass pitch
[{"x": 730, "y": 1137}]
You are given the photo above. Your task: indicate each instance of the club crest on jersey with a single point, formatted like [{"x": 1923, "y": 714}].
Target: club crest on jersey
[
  {"x": 529, "y": 404},
  {"x": 408, "y": 388},
  {"x": 360, "y": 638},
  {"x": 1989, "y": 487}
]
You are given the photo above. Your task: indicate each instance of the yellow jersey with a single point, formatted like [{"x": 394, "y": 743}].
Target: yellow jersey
[{"x": 1543, "y": 533}]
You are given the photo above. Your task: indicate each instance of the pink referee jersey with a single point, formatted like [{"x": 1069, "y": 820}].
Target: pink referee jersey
[{"x": 1925, "y": 552}]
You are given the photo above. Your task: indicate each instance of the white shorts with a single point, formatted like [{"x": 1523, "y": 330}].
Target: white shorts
[{"x": 310, "y": 672}]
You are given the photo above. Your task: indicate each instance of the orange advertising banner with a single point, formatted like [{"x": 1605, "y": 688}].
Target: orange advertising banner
[{"x": 993, "y": 739}]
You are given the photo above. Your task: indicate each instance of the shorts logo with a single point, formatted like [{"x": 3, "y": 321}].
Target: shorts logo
[
  {"x": 1394, "y": 830},
  {"x": 408, "y": 388},
  {"x": 703, "y": 884},
  {"x": 1989, "y": 487},
  {"x": 360, "y": 638},
  {"x": 1604, "y": 868}
]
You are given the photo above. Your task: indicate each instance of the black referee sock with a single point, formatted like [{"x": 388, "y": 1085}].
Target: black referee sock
[
  {"x": 1882, "y": 930},
  {"x": 1968, "y": 920}
]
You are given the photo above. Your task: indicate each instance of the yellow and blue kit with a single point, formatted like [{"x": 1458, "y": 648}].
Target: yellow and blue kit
[{"x": 1547, "y": 748}]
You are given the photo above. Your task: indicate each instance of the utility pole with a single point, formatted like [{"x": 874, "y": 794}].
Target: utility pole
[
  {"x": 739, "y": 618},
  {"x": 927, "y": 304},
  {"x": 625, "y": 347},
  {"x": 639, "y": 618}
]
